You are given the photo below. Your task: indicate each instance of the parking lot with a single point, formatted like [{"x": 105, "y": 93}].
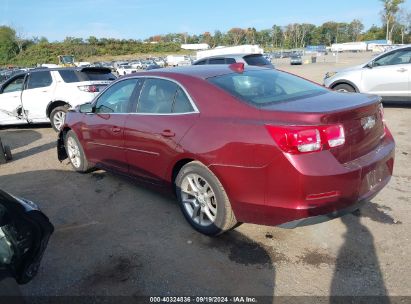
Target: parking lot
[{"x": 116, "y": 237}]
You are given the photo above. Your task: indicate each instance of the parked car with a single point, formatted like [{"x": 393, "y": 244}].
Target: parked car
[
  {"x": 178, "y": 60},
  {"x": 237, "y": 145},
  {"x": 24, "y": 235},
  {"x": 388, "y": 75},
  {"x": 45, "y": 95},
  {"x": 125, "y": 69},
  {"x": 247, "y": 59},
  {"x": 296, "y": 59},
  {"x": 160, "y": 62},
  {"x": 136, "y": 64}
]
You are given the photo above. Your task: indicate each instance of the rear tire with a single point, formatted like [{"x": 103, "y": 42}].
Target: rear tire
[
  {"x": 75, "y": 153},
  {"x": 57, "y": 117},
  {"x": 344, "y": 88},
  {"x": 203, "y": 200}
]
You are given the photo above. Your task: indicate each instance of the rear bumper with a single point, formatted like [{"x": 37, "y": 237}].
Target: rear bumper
[{"x": 307, "y": 189}]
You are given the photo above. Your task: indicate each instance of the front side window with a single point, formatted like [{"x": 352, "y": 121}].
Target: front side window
[
  {"x": 15, "y": 85},
  {"x": 394, "y": 58},
  {"x": 266, "y": 87},
  {"x": 116, "y": 99},
  {"x": 39, "y": 80}
]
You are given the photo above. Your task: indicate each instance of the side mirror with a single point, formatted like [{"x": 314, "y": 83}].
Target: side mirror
[
  {"x": 24, "y": 234},
  {"x": 369, "y": 65},
  {"x": 86, "y": 108}
]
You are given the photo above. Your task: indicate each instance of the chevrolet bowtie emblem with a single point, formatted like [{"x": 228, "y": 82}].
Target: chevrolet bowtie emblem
[{"x": 368, "y": 123}]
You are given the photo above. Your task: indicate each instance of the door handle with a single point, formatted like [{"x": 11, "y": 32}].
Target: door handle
[
  {"x": 115, "y": 129},
  {"x": 168, "y": 133},
  {"x": 402, "y": 70}
]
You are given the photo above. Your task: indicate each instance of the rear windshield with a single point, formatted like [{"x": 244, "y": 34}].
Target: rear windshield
[
  {"x": 257, "y": 60},
  {"x": 265, "y": 87},
  {"x": 70, "y": 76}
]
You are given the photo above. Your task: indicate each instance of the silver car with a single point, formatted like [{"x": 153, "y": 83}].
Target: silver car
[{"x": 387, "y": 75}]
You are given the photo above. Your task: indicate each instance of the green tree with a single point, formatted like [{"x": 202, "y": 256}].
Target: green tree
[
  {"x": 8, "y": 45},
  {"x": 389, "y": 14}
]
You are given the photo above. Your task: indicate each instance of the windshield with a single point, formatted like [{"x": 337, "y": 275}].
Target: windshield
[{"x": 264, "y": 87}]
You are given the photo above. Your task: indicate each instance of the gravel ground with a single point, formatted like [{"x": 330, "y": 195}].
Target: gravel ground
[{"x": 116, "y": 237}]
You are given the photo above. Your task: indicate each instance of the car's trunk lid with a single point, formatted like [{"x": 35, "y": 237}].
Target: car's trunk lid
[{"x": 359, "y": 114}]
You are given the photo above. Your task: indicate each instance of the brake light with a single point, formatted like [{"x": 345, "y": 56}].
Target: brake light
[
  {"x": 381, "y": 111},
  {"x": 237, "y": 67},
  {"x": 303, "y": 139},
  {"x": 89, "y": 88}
]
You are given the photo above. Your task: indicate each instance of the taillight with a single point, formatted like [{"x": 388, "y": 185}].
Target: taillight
[
  {"x": 303, "y": 139},
  {"x": 381, "y": 111},
  {"x": 89, "y": 88}
]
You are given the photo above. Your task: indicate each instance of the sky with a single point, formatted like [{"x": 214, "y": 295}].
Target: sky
[{"x": 140, "y": 19}]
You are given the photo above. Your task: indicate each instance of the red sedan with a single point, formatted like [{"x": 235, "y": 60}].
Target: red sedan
[{"x": 237, "y": 145}]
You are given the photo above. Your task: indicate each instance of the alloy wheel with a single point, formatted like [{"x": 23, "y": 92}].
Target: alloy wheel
[
  {"x": 73, "y": 152},
  {"x": 199, "y": 199},
  {"x": 58, "y": 119}
]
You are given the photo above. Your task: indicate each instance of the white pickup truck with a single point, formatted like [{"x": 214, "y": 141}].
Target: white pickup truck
[{"x": 45, "y": 95}]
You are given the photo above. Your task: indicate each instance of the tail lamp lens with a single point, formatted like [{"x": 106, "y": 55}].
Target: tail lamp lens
[
  {"x": 89, "y": 88},
  {"x": 303, "y": 139}
]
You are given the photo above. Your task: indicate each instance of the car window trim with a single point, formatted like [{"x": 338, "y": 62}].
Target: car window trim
[{"x": 145, "y": 77}]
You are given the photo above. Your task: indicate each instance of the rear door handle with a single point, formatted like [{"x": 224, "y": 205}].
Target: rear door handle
[
  {"x": 168, "y": 133},
  {"x": 402, "y": 70},
  {"x": 115, "y": 129}
]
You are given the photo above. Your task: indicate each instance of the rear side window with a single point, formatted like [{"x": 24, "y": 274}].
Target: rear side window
[
  {"x": 157, "y": 96},
  {"x": 39, "y": 80},
  {"x": 266, "y": 87},
  {"x": 257, "y": 60},
  {"x": 160, "y": 96},
  {"x": 70, "y": 76},
  {"x": 229, "y": 60},
  {"x": 181, "y": 103},
  {"x": 216, "y": 61}
]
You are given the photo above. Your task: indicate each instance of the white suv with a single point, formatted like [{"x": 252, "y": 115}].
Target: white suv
[{"x": 45, "y": 95}]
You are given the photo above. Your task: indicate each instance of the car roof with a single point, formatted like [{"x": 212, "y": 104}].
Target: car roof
[
  {"x": 198, "y": 71},
  {"x": 79, "y": 69},
  {"x": 238, "y": 55}
]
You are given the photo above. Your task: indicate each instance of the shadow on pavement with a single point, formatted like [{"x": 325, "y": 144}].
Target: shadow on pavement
[
  {"x": 357, "y": 270},
  {"x": 114, "y": 237}
]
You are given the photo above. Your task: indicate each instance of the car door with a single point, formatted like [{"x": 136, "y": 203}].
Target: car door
[
  {"x": 10, "y": 101},
  {"x": 103, "y": 132},
  {"x": 389, "y": 75},
  {"x": 164, "y": 113},
  {"x": 37, "y": 94}
]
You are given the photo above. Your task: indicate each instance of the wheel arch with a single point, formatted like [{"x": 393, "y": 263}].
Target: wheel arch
[
  {"x": 344, "y": 81},
  {"x": 54, "y": 104}
]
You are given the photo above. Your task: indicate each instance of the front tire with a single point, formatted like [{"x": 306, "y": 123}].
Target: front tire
[
  {"x": 346, "y": 88},
  {"x": 203, "y": 200},
  {"x": 75, "y": 153},
  {"x": 57, "y": 117}
]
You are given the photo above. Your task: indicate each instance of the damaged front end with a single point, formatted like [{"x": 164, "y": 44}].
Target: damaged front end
[{"x": 61, "y": 149}]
